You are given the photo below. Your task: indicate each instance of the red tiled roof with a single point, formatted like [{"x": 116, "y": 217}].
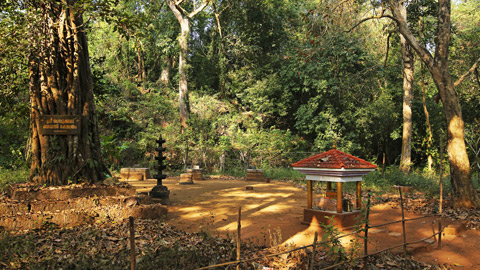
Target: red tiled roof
[{"x": 334, "y": 159}]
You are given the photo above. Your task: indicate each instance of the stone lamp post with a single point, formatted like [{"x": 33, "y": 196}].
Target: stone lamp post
[{"x": 160, "y": 191}]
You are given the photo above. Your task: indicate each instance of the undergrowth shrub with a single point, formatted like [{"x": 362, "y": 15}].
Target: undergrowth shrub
[
  {"x": 12, "y": 176},
  {"x": 338, "y": 251},
  {"x": 427, "y": 183},
  {"x": 282, "y": 173}
]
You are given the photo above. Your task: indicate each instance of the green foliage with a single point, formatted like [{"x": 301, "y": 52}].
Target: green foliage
[
  {"x": 423, "y": 182},
  {"x": 13, "y": 85},
  {"x": 283, "y": 174},
  {"x": 335, "y": 250},
  {"x": 284, "y": 77},
  {"x": 13, "y": 139},
  {"x": 19, "y": 175}
]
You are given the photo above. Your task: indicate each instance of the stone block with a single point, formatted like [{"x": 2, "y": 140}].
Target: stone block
[
  {"x": 340, "y": 220},
  {"x": 255, "y": 175},
  {"x": 186, "y": 179},
  {"x": 135, "y": 174},
  {"x": 197, "y": 174}
]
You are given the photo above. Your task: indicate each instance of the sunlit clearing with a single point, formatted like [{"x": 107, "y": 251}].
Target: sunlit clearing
[
  {"x": 272, "y": 187},
  {"x": 306, "y": 236},
  {"x": 347, "y": 240},
  {"x": 232, "y": 226},
  {"x": 271, "y": 209},
  {"x": 191, "y": 209},
  {"x": 255, "y": 195},
  {"x": 250, "y": 206}
]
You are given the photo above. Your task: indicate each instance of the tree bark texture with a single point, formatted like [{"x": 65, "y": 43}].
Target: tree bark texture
[
  {"x": 429, "y": 126},
  {"x": 165, "y": 74},
  {"x": 408, "y": 74},
  {"x": 141, "y": 72},
  {"x": 463, "y": 191},
  {"x": 61, "y": 84},
  {"x": 184, "y": 19},
  {"x": 183, "y": 102}
]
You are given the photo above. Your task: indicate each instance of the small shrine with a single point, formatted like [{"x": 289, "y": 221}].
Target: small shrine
[{"x": 335, "y": 167}]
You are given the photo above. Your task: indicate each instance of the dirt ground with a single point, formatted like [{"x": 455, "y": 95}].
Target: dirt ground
[{"x": 272, "y": 214}]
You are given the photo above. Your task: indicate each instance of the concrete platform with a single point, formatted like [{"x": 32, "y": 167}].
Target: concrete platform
[{"x": 341, "y": 220}]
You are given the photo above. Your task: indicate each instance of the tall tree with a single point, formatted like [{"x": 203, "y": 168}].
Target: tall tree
[
  {"x": 408, "y": 74},
  {"x": 438, "y": 65},
  {"x": 184, "y": 18},
  {"x": 61, "y": 84}
]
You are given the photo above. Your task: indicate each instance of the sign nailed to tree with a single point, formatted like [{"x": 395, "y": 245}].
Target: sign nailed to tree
[{"x": 59, "y": 124}]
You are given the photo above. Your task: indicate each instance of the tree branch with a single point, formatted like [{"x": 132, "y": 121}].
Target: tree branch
[
  {"x": 476, "y": 76},
  {"x": 460, "y": 80},
  {"x": 424, "y": 54},
  {"x": 184, "y": 12},
  {"x": 200, "y": 8},
  {"x": 381, "y": 15},
  {"x": 217, "y": 17},
  {"x": 175, "y": 9},
  {"x": 220, "y": 13},
  {"x": 388, "y": 49}
]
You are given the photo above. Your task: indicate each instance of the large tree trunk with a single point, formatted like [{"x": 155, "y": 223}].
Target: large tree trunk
[
  {"x": 184, "y": 19},
  {"x": 183, "y": 102},
  {"x": 61, "y": 84},
  {"x": 464, "y": 193},
  {"x": 463, "y": 190},
  {"x": 408, "y": 72}
]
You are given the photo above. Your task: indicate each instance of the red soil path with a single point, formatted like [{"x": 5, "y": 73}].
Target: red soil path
[{"x": 276, "y": 209}]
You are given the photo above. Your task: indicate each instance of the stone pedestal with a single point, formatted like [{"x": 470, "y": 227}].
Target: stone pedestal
[
  {"x": 135, "y": 174},
  {"x": 340, "y": 220},
  {"x": 255, "y": 175},
  {"x": 197, "y": 174},
  {"x": 186, "y": 179}
]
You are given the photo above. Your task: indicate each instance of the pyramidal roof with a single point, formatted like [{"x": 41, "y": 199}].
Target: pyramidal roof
[{"x": 334, "y": 159}]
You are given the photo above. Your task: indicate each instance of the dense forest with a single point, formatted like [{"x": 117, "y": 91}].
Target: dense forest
[{"x": 233, "y": 84}]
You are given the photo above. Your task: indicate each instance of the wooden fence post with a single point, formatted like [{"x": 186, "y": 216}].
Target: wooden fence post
[
  {"x": 403, "y": 222},
  {"x": 312, "y": 257},
  {"x": 365, "y": 243},
  {"x": 440, "y": 203},
  {"x": 132, "y": 243},
  {"x": 440, "y": 234},
  {"x": 239, "y": 228}
]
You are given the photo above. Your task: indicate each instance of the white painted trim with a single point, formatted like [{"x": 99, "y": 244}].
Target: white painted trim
[{"x": 333, "y": 178}]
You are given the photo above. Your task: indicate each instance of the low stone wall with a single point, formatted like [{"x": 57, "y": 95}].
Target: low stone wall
[
  {"x": 30, "y": 207},
  {"x": 255, "y": 175},
  {"x": 28, "y": 192},
  {"x": 135, "y": 174}
]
